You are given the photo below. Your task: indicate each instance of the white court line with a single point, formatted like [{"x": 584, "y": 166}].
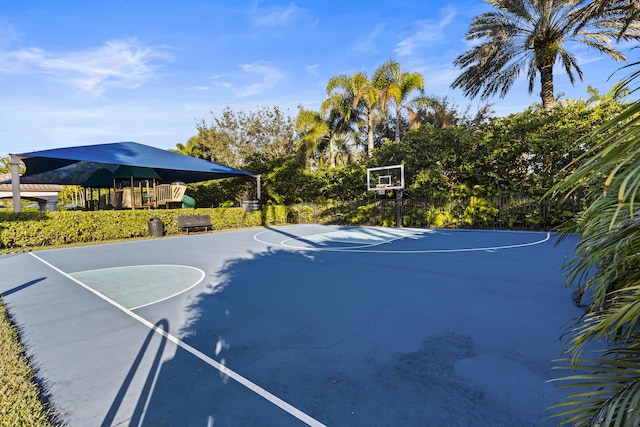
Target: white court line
[
  {"x": 361, "y": 249},
  {"x": 197, "y": 353},
  {"x": 202, "y": 276}
]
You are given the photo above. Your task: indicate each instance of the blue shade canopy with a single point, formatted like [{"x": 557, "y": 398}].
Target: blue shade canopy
[
  {"x": 100, "y": 178},
  {"x": 125, "y": 171},
  {"x": 75, "y": 165}
]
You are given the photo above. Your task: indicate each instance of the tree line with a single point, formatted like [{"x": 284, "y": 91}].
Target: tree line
[{"x": 473, "y": 154}]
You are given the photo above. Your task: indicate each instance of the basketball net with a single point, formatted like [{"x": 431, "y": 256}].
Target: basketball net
[{"x": 382, "y": 189}]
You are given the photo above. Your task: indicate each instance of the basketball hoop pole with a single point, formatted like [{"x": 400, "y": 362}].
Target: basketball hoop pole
[{"x": 399, "y": 208}]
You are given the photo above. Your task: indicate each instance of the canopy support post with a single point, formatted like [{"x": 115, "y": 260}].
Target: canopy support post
[
  {"x": 15, "y": 182},
  {"x": 257, "y": 186}
]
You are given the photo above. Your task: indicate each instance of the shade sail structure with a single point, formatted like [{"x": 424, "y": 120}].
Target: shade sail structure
[
  {"x": 100, "y": 178},
  {"x": 125, "y": 171},
  {"x": 75, "y": 165}
]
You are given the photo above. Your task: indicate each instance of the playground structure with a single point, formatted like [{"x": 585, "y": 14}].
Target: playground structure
[
  {"x": 144, "y": 168},
  {"x": 150, "y": 196}
]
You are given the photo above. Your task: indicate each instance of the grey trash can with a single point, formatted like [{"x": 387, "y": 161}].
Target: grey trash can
[{"x": 156, "y": 228}]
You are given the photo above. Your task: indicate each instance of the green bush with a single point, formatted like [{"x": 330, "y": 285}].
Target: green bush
[
  {"x": 479, "y": 210},
  {"x": 37, "y": 229}
]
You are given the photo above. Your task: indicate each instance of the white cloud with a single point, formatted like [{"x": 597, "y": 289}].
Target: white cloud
[
  {"x": 276, "y": 16},
  {"x": 427, "y": 31},
  {"x": 8, "y": 34},
  {"x": 260, "y": 76},
  {"x": 118, "y": 63},
  {"x": 369, "y": 43},
  {"x": 312, "y": 69}
]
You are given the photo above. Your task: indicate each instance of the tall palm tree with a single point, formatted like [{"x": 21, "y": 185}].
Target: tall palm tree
[
  {"x": 357, "y": 98},
  {"x": 322, "y": 130},
  {"x": 395, "y": 85},
  {"x": 532, "y": 35},
  {"x": 311, "y": 129}
]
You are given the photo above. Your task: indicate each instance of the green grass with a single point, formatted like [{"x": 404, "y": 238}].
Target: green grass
[{"x": 20, "y": 398}]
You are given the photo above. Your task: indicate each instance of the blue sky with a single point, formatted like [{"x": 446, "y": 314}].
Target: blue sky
[{"x": 87, "y": 72}]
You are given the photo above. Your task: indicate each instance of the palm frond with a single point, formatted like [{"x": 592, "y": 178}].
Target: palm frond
[{"x": 607, "y": 389}]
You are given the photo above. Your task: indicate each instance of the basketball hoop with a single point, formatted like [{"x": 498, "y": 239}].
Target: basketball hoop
[
  {"x": 384, "y": 178},
  {"x": 382, "y": 189}
]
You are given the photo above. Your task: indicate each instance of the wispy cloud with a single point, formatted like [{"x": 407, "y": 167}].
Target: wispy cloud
[
  {"x": 314, "y": 69},
  {"x": 275, "y": 16},
  {"x": 8, "y": 34},
  {"x": 260, "y": 75},
  {"x": 369, "y": 42},
  {"x": 118, "y": 63},
  {"x": 427, "y": 31}
]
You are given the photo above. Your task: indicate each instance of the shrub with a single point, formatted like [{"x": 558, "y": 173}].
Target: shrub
[{"x": 36, "y": 229}]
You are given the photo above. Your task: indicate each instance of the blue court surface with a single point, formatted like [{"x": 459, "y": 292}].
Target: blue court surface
[{"x": 297, "y": 325}]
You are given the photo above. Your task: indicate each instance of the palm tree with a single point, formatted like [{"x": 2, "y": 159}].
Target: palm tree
[
  {"x": 532, "y": 35},
  {"x": 626, "y": 12},
  {"x": 395, "y": 85},
  {"x": 327, "y": 129},
  {"x": 358, "y": 100},
  {"x": 439, "y": 111},
  {"x": 5, "y": 165}
]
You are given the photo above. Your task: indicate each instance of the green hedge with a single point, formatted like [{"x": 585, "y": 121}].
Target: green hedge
[
  {"x": 500, "y": 212},
  {"x": 37, "y": 229},
  {"x": 19, "y": 231}
]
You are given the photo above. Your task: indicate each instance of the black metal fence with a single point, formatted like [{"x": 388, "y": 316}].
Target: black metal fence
[{"x": 499, "y": 212}]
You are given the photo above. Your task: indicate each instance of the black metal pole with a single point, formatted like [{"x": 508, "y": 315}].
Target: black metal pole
[{"x": 399, "y": 208}]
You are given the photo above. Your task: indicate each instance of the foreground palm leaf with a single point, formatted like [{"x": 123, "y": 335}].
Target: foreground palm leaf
[
  {"x": 609, "y": 390},
  {"x": 606, "y": 268}
]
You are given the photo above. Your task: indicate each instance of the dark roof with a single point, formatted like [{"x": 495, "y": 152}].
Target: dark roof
[{"x": 74, "y": 165}]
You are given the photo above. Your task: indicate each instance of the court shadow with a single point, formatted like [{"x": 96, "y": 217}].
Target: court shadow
[
  {"x": 147, "y": 388},
  {"x": 297, "y": 237},
  {"x": 188, "y": 390},
  {"x": 21, "y": 287},
  {"x": 365, "y": 236},
  {"x": 368, "y": 339},
  {"x": 311, "y": 328}
]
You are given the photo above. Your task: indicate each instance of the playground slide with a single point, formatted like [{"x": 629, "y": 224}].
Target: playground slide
[{"x": 188, "y": 202}]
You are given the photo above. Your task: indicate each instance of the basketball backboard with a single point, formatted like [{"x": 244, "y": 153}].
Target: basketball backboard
[{"x": 385, "y": 178}]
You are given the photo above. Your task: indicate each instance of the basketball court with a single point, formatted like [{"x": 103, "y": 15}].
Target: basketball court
[{"x": 297, "y": 325}]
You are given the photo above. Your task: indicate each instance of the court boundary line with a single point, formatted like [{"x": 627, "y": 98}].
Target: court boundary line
[
  {"x": 361, "y": 249},
  {"x": 202, "y": 276},
  {"x": 270, "y": 397}
]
